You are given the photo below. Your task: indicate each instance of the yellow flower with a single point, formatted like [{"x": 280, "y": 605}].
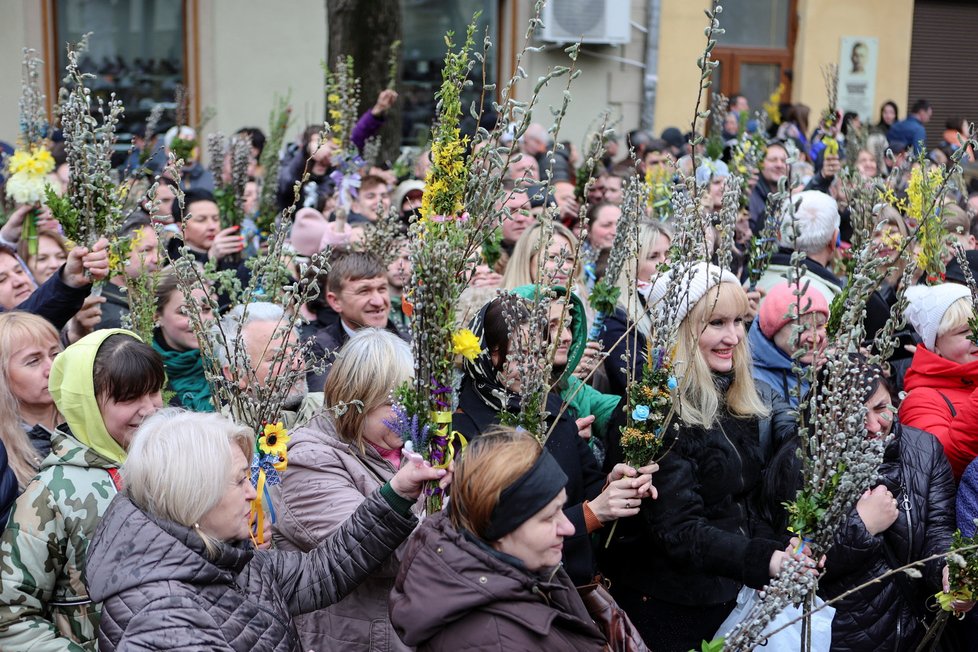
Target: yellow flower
[
  {"x": 333, "y": 98},
  {"x": 274, "y": 439},
  {"x": 466, "y": 344},
  {"x": 18, "y": 162},
  {"x": 42, "y": 162}
]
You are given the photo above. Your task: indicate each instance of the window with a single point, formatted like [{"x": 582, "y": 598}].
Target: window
[
  {"x": 424, "y": 27},
  {"x": 136, "y": 52},
  {"x": 756, "y": 51}
]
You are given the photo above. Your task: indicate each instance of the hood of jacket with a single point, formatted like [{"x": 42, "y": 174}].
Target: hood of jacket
[
  {"x": 578, "y": 324},
  {"x": 469, "y": 578},
  {"x": 765, "y": 352},
  {"x": 131, "y": 548},
  {"x": 72, "y": 386},
  {"x": 66, "y": 450},
  {"x": 931, "y": 370}
]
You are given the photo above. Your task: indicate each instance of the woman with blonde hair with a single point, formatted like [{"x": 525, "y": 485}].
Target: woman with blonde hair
[
  {"x": 560, "y": 267},
  {"x": 634, "y": 283},
  {"x": 524, "y": 267},
  {"x": 677, "y": 571},
  {"x": 172, "y": 561},
  {"x": 493, "y": 558},
  {"x": 339, "y": 459},
  {"x": 28, "y": 415}
]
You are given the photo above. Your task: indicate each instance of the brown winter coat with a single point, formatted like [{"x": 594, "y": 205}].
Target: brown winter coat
[
  {"x": 327, "y": 481},
  {"x": 160, "y": 591},
  {"x": 454, "y": 593}
]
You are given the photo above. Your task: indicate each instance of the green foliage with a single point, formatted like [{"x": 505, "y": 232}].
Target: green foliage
[
  {"x": 716, "y": 645},
  {"x": 268, "y": 204},
  {"x": 604, "y": 296},
  {"x": 183, "y": 149},
  {"x": 63, "y": 211}
]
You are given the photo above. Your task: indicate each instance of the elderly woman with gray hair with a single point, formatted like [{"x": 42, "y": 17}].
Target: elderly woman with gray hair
[
  {"x": 172, "y": 562},
  {"x": 340, "y": 460}
]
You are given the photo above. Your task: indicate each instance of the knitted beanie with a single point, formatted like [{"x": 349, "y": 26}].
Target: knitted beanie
[
  {"x": 307, "y": 231},
  {"x": 780, "y": 305},
  {"x": 695, "y": 282},
  {"x": 927, "y": 305}
]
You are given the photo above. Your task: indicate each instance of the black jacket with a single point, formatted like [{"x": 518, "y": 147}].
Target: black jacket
[
  {"x": 623, "y": 350},
  {"x": 584, "y": 478},
  {"x": 883, "y": 616},
  {"x": 116, "y": 306},
  {"x": 705, "y": 535},
  {"x": 55, "y": 300},
  {"x": 326, "y": 342}
]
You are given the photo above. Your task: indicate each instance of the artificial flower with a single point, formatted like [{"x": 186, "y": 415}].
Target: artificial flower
[
  {"x": 274, "y": 439},
  {"x": 466, "y": 344},
  {"x": 640, "y": 413}
]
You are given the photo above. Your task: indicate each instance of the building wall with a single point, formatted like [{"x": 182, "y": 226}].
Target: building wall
[
  {"x": 20, "y": 27},
  {"x": 247, "y": 52},
  {"x": 681, "y": 43},
  {"x": 252, "y": 50},
  {"x": 821, "y": 25},
  {"x": 603, "y": 82}
]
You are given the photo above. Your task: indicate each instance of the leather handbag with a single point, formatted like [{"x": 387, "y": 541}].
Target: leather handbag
[{"x": 611, "y": 619}]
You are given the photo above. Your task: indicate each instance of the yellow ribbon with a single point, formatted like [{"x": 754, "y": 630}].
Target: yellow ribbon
[
  {"x": 946, "y": 599},
  {"x": 257, "y": 513},
  {"x": 455, "y": 437}
]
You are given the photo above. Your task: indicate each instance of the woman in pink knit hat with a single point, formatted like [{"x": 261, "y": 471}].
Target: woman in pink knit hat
[{"x": 774, "y": 337}]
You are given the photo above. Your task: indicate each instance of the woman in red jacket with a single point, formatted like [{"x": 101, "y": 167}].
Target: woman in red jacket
[{"x": 943, "y": 376}]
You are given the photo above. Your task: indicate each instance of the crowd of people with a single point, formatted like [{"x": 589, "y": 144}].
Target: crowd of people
[{"x": 129, "y": 490}]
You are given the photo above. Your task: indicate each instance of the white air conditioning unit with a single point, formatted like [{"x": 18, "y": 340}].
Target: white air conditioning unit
[{"x": 588, "y": 21}]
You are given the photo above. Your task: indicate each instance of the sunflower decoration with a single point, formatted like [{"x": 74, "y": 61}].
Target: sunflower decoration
[{"x": 270, "y": 458}]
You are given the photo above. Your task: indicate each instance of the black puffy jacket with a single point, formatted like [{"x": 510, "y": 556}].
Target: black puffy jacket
[
  {"x": 884, "y": 617},
  {"x": 704, "y": 536}
]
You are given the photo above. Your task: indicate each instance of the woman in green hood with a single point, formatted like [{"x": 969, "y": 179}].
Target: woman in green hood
[{"x": 104, "y": 385}]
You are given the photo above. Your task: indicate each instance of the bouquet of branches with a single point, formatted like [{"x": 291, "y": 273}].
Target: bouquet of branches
[
  {"x": 93, "y": 205},
  {"x": 229, "y": 192},
  {"x": 279, "y": 121},
  {"x": 439, "y": 243},
  {"x": 342, "y": 100},
  {"x": 27, "y": 168}
]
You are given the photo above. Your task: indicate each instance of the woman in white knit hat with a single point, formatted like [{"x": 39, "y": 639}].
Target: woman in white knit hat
[
  {"x": 943, "y": 375},
  {"x": 679, "y": 572}
]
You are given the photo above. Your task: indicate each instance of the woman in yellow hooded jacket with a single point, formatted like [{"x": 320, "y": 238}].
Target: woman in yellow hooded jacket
[{"x": 104, "y": 385}]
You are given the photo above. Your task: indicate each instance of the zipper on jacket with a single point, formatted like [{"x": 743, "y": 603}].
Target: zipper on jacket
[
  {"x": 76, "y": 602},
  {"x": 907, "y": 506},
  {"x": 740, "y": 459}
]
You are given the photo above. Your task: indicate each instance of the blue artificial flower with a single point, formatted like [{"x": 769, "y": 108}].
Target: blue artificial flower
[
  {"x": 672, "y": 384},
  {"x": 640, "y": 413}
]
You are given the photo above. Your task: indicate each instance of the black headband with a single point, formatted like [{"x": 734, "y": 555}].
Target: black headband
[{"x": 526, "y": 496}]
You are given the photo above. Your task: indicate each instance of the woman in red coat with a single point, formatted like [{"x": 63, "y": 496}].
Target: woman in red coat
[{"x": 943, "y": 376}]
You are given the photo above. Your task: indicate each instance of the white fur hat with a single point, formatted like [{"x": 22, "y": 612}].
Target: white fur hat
[
  {"x": 696, "y": 281},
  {"x": 927, "y": 305}
]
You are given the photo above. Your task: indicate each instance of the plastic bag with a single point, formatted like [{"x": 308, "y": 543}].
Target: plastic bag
[{"x": 787, "y": 640}]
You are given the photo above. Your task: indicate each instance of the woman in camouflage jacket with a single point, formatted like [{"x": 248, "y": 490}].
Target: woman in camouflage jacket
[{"x": 104, "y": 385}]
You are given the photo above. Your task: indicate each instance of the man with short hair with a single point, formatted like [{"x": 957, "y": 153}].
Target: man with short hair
[
  {"x": 262, "y": 326},
  {"x": 373, "y": 198},
  {"x": 738, "y": 104},
  {"x": 613, "y": 183},
  {"x": 812, "y": 228},
  {"x": 357, "y": 289},
  {"x": 911, "y": 130}
]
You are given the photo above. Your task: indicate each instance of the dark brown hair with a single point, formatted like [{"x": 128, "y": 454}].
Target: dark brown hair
[
  {"x": 126, "y": 369},
  {"x": 346, "y": 266}
]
